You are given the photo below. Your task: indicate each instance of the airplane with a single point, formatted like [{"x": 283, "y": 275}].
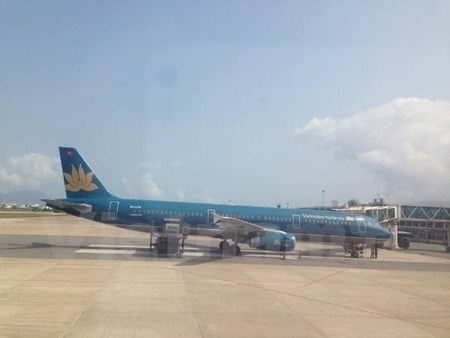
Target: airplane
[{"x": 265, "y": 228}]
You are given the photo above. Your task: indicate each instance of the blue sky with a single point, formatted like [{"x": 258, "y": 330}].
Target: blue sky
[{"x": 206, "y": 100}]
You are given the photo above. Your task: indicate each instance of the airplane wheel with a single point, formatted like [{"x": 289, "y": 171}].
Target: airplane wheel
[
  {"x": 238, "y": 250},
  {"x": 355, "y": 255},
  {"x": 234, "y": 250},
  {"x": 224, "y": 246}
]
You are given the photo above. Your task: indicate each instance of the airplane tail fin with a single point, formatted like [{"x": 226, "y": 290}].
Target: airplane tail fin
[{"x": 79, "y": 179}]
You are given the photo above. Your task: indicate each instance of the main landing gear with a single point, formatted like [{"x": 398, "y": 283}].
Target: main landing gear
[{"x": 232, "y": 250}]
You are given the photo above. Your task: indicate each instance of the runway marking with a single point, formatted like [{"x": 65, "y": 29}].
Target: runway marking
[
  {"x": 118, "y": 247},
  {"x": 8, "y": 220},
  {"x": 120, "y": 251},
  {"x": 107, "y": 251}
]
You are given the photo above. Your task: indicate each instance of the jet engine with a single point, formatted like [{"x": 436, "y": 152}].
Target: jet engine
[{"x": 273, "y": 241}]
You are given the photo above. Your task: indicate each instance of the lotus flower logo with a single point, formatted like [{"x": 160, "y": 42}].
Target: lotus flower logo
[{"x": 79, "y": 180}]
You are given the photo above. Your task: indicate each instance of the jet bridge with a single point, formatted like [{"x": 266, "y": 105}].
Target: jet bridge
[
  {"x": 426, "y": 223},
  {"x": 433, "y": 222}
]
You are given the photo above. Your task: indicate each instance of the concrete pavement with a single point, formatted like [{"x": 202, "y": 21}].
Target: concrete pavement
[{"x": 52, "y": 290}]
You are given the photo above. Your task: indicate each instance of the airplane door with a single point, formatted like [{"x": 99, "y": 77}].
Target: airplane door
[
  {"x": 295, "y": 221},
  {"x": 210, "y": 217},
  {"x": 113, "y": 210},
  {"x": 361, "y": 226}
]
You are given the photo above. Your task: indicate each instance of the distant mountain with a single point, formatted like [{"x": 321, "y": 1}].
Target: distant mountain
[{"x": 23, "y": 197}]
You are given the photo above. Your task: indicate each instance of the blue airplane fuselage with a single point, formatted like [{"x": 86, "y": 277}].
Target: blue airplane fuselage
[{"x": 309, "y": 224}]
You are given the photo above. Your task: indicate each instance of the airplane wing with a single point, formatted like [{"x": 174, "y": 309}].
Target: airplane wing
[
  {"x": 256, "y": 236},
  {"x": 243, "y": 228},
  {"x": 68, "y": 207}
]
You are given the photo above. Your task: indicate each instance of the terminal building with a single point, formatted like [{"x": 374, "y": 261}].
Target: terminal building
[{"x": 425, "y": 223}]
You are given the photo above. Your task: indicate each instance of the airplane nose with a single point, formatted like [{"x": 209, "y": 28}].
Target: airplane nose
[{"x": 384, "y": 234}]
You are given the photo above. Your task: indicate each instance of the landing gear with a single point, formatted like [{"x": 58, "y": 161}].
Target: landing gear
[
  {"x": 355, "y": 250},
  {"x": 235, "y": 250},
  {"x": 227, "y": 249},
  {"x": 224, "y": 246}
]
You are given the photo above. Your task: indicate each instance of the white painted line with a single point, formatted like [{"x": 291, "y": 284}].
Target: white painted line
[
  {"x": 189, "y": 252},
  {"x": 9, "y": 220},
  {"x": 272, "y": 256},
  {"x": 261, "y": 256},
  {"x": 194, "y": 254},
  {"x": 113, "y": 246},
  {"x": 136, "y": 247},
  {"x": 106, "y": 251},
  {"x": 192, "y": 250}
]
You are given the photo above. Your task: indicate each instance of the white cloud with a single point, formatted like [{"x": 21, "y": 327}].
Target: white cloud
[
  {"x": 10, "y": 179},
  {"x": 205, "y": 196},
  {"x": 181, "y": 197},
  {"x": 405, "y": 142},
  {"x": 141, "y": 184},
  {"x": 28, "y": 171}
]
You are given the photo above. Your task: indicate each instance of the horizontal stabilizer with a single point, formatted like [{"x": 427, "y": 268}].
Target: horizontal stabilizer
[{"x": 70, "y": 208}]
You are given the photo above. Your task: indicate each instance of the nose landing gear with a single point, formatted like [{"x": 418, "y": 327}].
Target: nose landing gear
[{"x": 355, "y": 250}]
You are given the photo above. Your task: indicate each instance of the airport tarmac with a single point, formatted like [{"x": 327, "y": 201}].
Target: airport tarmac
[{"x": 62, "y": 276}]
